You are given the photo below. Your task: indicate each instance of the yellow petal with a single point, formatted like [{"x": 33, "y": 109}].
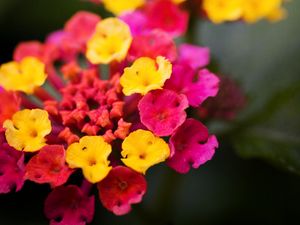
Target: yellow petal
[
  {"x": 27, "y": 130},
  {"x": 142, "y": 149},
  {"x": 145, "y": 75},
  {"x": 255, "y": 10},
  {"x": 23, "y": 76},
  {"x": 91, "y": 155},
  {"x": 110, "y": 42},
  {"x": 220, "y": 11}
]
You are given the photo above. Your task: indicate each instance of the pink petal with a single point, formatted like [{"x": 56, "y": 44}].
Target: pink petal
[
  {"x": 206, "y": 86},
  {"x": 163, "y": 111},
  {"x": 196, "y": 90},
  {"x": 191, "y": 146},
  {"x": 136, "y": 21},
  {"x": 81, "y": 26},
  {"x": 194, "y": 56}
]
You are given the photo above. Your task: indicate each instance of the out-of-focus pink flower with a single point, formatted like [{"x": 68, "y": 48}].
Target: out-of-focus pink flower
[
  {"x": 121, "y": 188},
  {"x": 45, "y": 53},
  {"x": 136, "y": 21},
  {"x": 81, "y": 26},
  {"x": 12, "y": 167},
  {"x": 197, "y": 88},
  {"x": 194, "y": 56},
  {"x": 162, "y": 111},
  {"x": 48, "y": 166},
  {"x": 69, "y": 206},
  {"x": 72, "y": 40},
  {"x": 152, "y": 44},
  {"x": 191, "y": 146},
  {"x": 170, "y": 18}
]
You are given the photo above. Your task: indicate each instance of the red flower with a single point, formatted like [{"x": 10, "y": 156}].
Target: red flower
[
  {"x": 10, "y": 103},
  {"x": 152, "y": 44},
  {"x": 170, "y": 18},
  {"x": 121, "y": 188},
  {"x": 69, "y": 206},
  {"x": 48, "y": 166}
]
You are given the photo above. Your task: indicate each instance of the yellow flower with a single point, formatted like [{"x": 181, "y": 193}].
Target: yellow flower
[
  {"x": 110, "y": 42},
  {"x": 27, "y": 130},
  {"x": 141, "y": 150},
  {"x": 220, "y": 11},
  {"x": 23, "y": 76},
  {"x": 145, "y": 75},
  {"x": 90, "y": 154},
  {"x": 255, "y": 10},
  {"x": 119, "y": 6}
]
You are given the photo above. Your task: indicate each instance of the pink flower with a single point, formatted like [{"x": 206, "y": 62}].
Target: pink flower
[
  {"x": 191, "y": 146},
  {"x": 11, "y": 167},
  {"x": 46, "y": 53},
  {"x": 162, "y": 111},
  {"x": 49, "y": 166},
  {"x": 81, "y": 26},
  {"x": 71, "y": 41},
  {"x": 194, "y": 56},
  {"x": 196, "y": 88},
  {"x": 152, "y": 44},
  {"x": 121, "y": 188},
  {"x": 136, "y": 21},
  {"x": 170, "y": 18},
  {"x": 69, "y": 206}
]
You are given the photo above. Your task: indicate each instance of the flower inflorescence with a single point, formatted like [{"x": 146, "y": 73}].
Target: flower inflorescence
[{"x": 108, "y": 97}]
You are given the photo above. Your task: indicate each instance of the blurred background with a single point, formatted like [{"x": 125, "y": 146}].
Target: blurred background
[{"x": 254, "y": 176}]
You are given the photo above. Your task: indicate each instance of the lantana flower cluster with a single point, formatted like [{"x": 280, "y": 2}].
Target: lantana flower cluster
[{"x": 103, "y": 100}]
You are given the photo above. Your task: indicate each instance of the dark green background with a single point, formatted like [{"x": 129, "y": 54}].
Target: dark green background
[{"x": 254, "y": 177}]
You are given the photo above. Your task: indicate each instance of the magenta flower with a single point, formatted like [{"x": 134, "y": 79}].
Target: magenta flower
[
  {"x": 162, "y": 111},
  {"x": 171, "y": 18},
  {"x": 12, "y": 167},
  {"x": 136, "y": 21},
  {"x": 197, "y": 88},
  {"x": 49, "y": 166},
  {"x": 69, "y": 205},
  {"x": 191, "y": 146},
  {"x": 194, "y": 56},
  {"x": 121, "y": 188}
]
